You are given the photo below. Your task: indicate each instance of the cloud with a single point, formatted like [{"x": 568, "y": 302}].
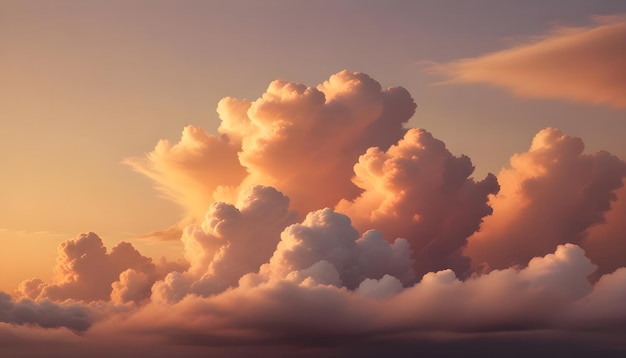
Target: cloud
[
  {"x": 419, "y": 191},
  {"x": 326, "y": 249},
  {"x": 583, "y": 64},
  {"x": 604, "y": 306},
  {"x": 35, "y": 341},
  {"x": 189, "y": 171},
  {"x": 294, "y": 138},
  {"x": 245, "y": 245},
  {"x": 551, "y": 293},
  {"x": 333, "y": 230},
  {"x": 298, "y": 137},
  {"x": 552, "y": 194},
  {"x": 549, "y": 301},
  {"x": 132, "y": 286},
  {"x": 86, "y": 272},
  {"x": 231, "y": 242},
  {"x": 605, "y": 243},
  {"x": 44, "y": 314}
]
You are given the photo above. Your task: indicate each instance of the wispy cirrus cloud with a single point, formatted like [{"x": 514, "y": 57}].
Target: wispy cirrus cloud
[{"x": 582, "y": 64}]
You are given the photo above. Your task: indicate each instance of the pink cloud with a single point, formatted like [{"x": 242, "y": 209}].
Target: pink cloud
[
  {"x": 231, "y": 242},
  {"x": 551, "y": 293},
  {"x": 552, "y": 194},
  {"x": 419, "y": 191},
  {"x": 326, "y": 249},
  {"x": 86, "y": 272},
  {"x": 377, "y": 256},
  {"x": 605, "y": 243},
  {"x": 293, "y": 138},
  {"x": 583, "y": 64},
  {"x": 45, "y": 314},
  {"x": 189, "y": 171}
]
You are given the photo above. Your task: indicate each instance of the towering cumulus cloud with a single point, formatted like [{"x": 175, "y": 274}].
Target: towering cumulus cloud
[
  {"x": 419, "y": 191},
  {"x": 579, "y": 64},
  {"x": 301, "y": 140},
  {"x": 231, "y": 242},
  {"x": 320, "y": 226},
  {"x": 341, "y": 144},
  {"x": 552, "y": 194}
]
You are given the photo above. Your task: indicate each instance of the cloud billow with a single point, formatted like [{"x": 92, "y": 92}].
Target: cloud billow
[{"x": 315, "y": 219}]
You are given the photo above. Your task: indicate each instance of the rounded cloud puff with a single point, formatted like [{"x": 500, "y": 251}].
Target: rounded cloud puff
[
  {"x": 419, "y": 191},
  {"x": 294, "y": 138},
  {"x": 327, "y": 249},
  {"x": 552, "y": 194}
]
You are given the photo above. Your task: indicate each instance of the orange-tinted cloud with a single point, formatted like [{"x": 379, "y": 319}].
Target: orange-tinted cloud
[
  {"x": 551, "y": 195},
  {"x": 298, "y": 138},
  {"x": 605, "y": 243},
  {"x": 604, "y": 306},
  {"x": 86, "y": 272},
  {"x": 301, "y": 140},
  {"x": 551, "y": 293},
  {"x": 419, "y": 191},
  {"x": 233, "y": 240},
  {"x": 577, "y": 64},
  {"x": 189, "y": 171},
  {"x": 326, "y": 249},
  {"x": 385, "y": 265}
]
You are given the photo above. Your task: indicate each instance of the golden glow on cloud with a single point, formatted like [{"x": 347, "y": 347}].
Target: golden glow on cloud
[
  {"x": 413, "y": 244},
  {"x": 578, "y": 64},
  {"x": 323, "y": 218},
  {"x": 301, "y": 140}
]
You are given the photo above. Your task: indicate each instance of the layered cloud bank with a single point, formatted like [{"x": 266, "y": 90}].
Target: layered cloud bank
[
  {"x": 577, "y": 64},
  {"x": 318, "y": 224}
]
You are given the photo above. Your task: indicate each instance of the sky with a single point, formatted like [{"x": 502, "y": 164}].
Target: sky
[{"x": 298, "y": 177}]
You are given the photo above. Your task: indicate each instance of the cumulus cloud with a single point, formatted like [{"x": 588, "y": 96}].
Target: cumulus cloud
[
  {"x": 189, "y": 171},
  {"x": 551, "y": 293},
  {"x": 605, "y": 243},
  {"x": 604, "y": 306},
  {"x": 132, "y": 286},
  {"x": 419, "y": 191},
  {"x": 233, "y": 240},
  {"x": 316, "y": 221},
  {"x": 299, "y": 137},
  {"x": 300, "y": 140},
  {"x": 86, "y": 272},
  {"x": 552, "y": 194},
  {"x": 583, "y": 64},
  {"x": 246, "y": 246}
]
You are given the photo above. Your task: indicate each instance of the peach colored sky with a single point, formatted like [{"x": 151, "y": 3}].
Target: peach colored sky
[{"x": 457, "y": 148}]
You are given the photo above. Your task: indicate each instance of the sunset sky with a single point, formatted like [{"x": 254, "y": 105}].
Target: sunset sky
[{"x": 320, "y": 177}]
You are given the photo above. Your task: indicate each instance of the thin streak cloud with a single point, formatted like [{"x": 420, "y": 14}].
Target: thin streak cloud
[{"x": 581, "y": 64}]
